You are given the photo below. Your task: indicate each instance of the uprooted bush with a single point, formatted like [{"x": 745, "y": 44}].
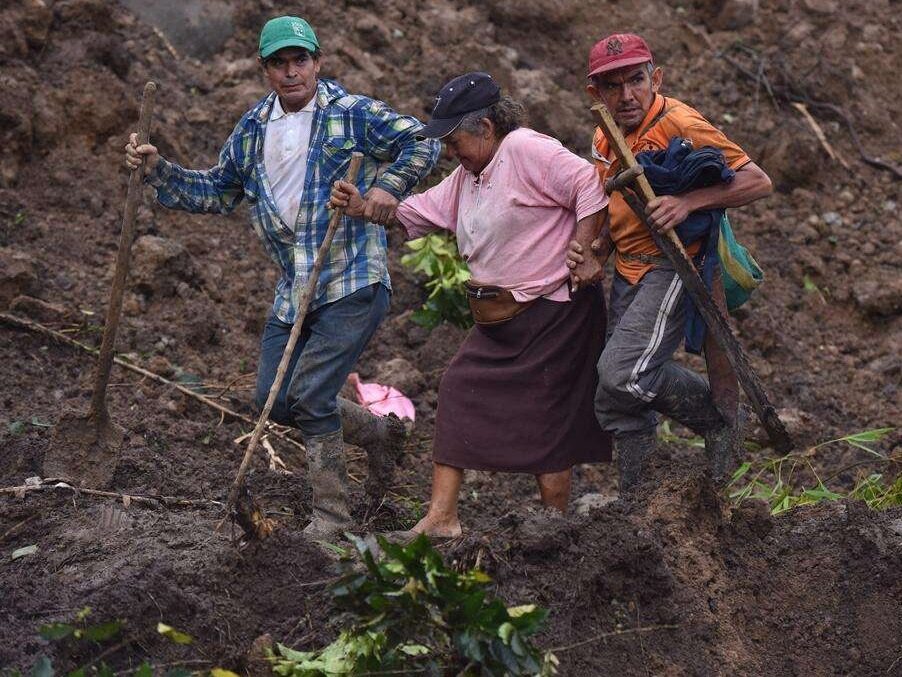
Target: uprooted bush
[
  {"x": 436, "y": 256},
  {"x": 408, "y": 612}
]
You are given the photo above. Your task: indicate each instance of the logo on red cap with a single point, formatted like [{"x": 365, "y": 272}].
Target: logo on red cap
[{"x": 618, "y": 51}]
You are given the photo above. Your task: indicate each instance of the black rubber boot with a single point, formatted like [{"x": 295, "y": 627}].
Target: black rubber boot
[
  {"x": 634, "y": 450},
  {"x": 382, "y": 437},
  {"x": 686, "y": 398}
]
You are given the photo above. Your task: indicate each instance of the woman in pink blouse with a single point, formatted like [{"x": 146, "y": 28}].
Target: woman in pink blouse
[{"x": 518, "y": 395}]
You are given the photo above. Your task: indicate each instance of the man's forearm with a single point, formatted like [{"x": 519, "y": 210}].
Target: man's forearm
[{"x": 749, "y": 184}]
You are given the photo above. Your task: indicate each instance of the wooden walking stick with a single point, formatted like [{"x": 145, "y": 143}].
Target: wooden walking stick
[
  {"x": 249, "y": 517},
  {"x": 670, "y": 244},
  {"x": 85, "y": 447}
]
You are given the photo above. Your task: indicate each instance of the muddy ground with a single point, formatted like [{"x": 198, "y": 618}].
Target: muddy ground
[{"x": 817, "y": 590}]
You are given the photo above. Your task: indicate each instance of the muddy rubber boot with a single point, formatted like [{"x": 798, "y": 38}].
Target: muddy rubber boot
[
  {"x": 382, "y": 437},
  {"x": 329, "y": 480},
  {"x": 634, "y": 450},
  {"x": 687, "y": 399}
]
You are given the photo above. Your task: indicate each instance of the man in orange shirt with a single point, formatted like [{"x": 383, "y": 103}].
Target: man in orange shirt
[{"x": 638, "y": 377}]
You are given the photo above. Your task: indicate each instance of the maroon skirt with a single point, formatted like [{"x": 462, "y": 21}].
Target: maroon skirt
[{"x": 519, "y": 396}]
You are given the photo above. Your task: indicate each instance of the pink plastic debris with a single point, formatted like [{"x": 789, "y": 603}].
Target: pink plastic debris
[{"x": 382, "y": 400}]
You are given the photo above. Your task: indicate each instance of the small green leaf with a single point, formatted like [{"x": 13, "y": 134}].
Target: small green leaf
[
  {"x": 144, "y": 670},
  {"x": 173, "y": 634},
  {"x": 42, "y": 668},
  {"x": 414, "y": 649},
  {"x": 16, "y": 427},
  {"x": 222, "y": 672},
  {"x": 55, "y": 631},
  {"x": 517, "y": 611},
  {"x": 102, "y": 632}
]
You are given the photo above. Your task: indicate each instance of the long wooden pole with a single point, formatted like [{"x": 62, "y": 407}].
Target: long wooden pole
[
  {"x": 717, "y": 324},
  {"x": 123, "y": 259},
  {"x": 302, "y": 306}
]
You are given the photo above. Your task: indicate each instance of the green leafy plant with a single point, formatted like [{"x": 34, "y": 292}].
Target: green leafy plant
[
  {"x": 409, "y": 612},
  {"x": 436, "y": 257},
  {"x": 775, "y": 480}
]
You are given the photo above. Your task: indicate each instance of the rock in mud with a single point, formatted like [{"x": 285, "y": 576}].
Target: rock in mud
[
  {"x": 159, "y": 265},
  {"x": 879, "y": 292},
  {"x": 39, "y": 310},
  {"x": 401, "y": 374},
  {"x": 18, "y": 275}
]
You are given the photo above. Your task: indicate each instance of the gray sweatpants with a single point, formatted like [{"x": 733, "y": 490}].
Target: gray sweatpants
[{"x": 645, "y": 327}]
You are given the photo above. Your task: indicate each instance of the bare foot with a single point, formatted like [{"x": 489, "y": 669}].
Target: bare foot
[{"x": 437, "y": 527}]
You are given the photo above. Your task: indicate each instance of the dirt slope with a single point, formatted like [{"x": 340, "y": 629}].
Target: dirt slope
[{"x": 816, "y": 591}]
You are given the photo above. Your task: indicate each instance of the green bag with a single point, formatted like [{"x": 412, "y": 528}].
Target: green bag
[{"x": 740, "y": 272}]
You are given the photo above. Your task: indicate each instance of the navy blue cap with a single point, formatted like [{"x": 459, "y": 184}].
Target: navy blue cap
[{"x": 460, "y": 96}]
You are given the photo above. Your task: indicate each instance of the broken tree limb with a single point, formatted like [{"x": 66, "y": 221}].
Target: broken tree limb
[
  {"x": 819, "y": 133},
  {"x": 717, "y": 324},
  {"x": 38, "y": 328}
]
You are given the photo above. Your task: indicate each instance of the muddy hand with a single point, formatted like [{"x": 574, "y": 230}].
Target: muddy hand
[
  {"x": 346, "y": 196},
  {"x": 379, "y": 206},
  {"x": 585, "y": 268},
  {"x": 146, "y": 154}
]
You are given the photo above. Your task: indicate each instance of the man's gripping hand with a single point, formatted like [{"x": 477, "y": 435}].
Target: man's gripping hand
[
  {"x": 146, "y": 154},
  {"x": 666, "y": 212},
  {"x": 346, "y": 196},
  {"x": 586, "y": 268},
  {"x": 379, "y": 206}
]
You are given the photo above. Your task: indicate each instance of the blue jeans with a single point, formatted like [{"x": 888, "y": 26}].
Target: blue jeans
[{"x": 331, "y": 340}]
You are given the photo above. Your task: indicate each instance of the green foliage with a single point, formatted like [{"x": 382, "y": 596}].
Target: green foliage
[
  {"x": 437, "y": 258},
  {"x": 772, "y": 480},
  {"x": 411, "y": 613}
]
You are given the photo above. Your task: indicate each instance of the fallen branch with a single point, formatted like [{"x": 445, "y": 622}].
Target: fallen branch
[
  {"x": 819, "y": 133},
  {"x": 38, "y": 328},
  {"x": 615, "y": 633},
  {"x": 53, "y": 484}
]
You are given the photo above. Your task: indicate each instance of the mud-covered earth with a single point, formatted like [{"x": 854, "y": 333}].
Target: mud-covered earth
[{"x": 682, "y": 584}]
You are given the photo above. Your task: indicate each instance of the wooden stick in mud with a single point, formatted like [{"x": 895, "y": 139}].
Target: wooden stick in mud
[
  {"x": 717, "y": 324},
  {"x": 302, "y": 307}
]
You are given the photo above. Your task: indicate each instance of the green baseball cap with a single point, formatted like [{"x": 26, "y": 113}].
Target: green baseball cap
[{"x": 286, "y": 31}]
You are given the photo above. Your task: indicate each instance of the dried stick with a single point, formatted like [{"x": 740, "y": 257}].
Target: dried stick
[
  {"x": 38, "y": 328},
  {"x": 53, "y": 484},
  {"x": 614, "y": 633},
  {"x": 819, "y": 133}
]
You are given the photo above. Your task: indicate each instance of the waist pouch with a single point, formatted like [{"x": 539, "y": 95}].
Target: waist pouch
[{"x": 492, "y": 305}]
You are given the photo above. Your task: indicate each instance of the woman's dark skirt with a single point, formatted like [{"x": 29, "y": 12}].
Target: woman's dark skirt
[{"x": 518, "y": 396}]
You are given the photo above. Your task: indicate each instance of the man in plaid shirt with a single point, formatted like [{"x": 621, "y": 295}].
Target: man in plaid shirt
[{"x": 282, "y": 159}]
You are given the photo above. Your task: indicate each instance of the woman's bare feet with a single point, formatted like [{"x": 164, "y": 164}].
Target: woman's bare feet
[{"x": 438, "y": 527}]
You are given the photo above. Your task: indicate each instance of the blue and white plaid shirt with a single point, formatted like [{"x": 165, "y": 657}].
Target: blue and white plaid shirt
[{"x": 342, "y": 123}]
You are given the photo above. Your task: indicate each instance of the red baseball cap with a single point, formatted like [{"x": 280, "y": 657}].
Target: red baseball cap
[{"x": 617, "y": 51}]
